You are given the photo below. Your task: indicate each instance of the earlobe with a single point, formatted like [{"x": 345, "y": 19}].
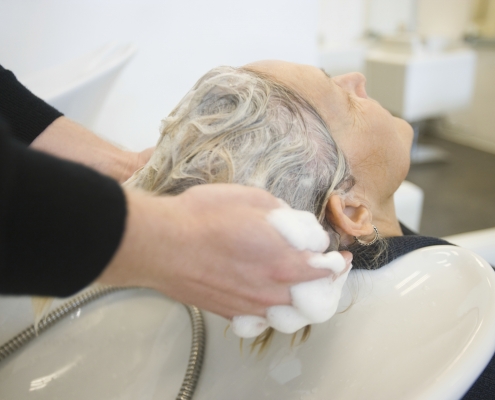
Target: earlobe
[{"x": 349, "y": 217}]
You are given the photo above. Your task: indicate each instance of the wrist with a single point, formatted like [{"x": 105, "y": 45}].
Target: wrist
[
  {"x": 147, "y": 243},
  {"x": 67, "y": 139},
  {"x": 120, "y": 164},
  {"x": 125, "y": 163}
]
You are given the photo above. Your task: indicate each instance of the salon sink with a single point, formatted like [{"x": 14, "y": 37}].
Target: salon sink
[
  {"x": 421, "y": 327},
  {"x": 133, "y": 344}
]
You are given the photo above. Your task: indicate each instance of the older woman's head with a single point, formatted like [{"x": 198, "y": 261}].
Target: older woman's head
[
  {"x": 376, "y": 144},
  {"x": 319, "y": 143}
]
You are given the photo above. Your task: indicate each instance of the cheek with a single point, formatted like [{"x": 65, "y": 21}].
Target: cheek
[{"x": 377, "y": 146}]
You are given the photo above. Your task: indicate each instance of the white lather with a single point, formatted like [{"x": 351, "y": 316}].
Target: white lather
[{"x": 312, "y": 302}]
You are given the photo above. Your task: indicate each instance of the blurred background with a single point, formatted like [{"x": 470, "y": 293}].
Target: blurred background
[{"x": 119, "y": 67}]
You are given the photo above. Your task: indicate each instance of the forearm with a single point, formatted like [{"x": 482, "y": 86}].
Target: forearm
[
  {"x": 36, "y": 123},
  {"x": 67, "y": 139},
  {"x": 148, "y": 241}
]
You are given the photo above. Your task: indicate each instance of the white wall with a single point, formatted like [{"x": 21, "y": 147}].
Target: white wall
[
  {"x": 445, "y": 18},
  {"x": 385, "y": 17},
  {"x": 341, "y": 26},
  {"x": 178, "y": 41},
  {"x": 340, "y": 22}
]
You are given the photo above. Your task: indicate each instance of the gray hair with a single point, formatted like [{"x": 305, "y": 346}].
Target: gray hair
[{"x": 240, "y": 126}]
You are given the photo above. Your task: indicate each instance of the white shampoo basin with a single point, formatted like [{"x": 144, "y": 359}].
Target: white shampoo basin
[{"x": 420, "y": 327}]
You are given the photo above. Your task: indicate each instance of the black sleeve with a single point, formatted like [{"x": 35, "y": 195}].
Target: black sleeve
[
  {"x": 484, "y": 387},
  {"x": 60, "y": 222},
  {"x": 26, "y": 114}
]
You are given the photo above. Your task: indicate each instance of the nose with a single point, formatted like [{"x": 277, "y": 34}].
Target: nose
[{"x": 354, "y": 82}]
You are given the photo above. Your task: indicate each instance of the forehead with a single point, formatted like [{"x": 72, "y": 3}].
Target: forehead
[
  {"x": 296, "y": 76},
  {"x": 308, "y": 81}
]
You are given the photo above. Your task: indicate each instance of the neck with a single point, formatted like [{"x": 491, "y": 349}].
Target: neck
[{"x": 385, "y": 219}]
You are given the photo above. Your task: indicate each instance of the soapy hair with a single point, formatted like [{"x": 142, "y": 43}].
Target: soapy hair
[{"x": 240, "y": 126}]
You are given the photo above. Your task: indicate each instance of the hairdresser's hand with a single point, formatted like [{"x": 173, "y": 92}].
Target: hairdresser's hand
[
  {"x": 67, "y": 139},
  {"x": 212, "y": 247}
]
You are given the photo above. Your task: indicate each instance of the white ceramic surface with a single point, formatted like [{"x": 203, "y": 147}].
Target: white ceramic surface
[
  {"x": 128, "y": 345},
  {"x": 421, "y": 327},
  {"x": 79, "y": 87}
]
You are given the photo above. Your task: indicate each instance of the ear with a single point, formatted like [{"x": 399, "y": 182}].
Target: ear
[{"x": 349, "y": 217}]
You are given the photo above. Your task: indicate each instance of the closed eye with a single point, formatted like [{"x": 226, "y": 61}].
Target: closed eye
[
  {"x": 326, "y": 73},
  {"x": 352, "y": 104}
]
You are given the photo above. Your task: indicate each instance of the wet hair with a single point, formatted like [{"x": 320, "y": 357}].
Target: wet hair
[{"x": 239, "y": 126}]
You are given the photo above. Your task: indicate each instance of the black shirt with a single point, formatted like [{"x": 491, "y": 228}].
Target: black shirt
[{"x": 60, "y": 222}]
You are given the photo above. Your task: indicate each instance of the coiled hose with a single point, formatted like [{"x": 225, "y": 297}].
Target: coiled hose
[{"x": 197, "y": 323}]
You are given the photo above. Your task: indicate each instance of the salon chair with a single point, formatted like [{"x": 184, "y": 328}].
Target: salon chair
[
  {"x": 420, "y": 327},
  {"x": 408, "y": 200},
  {"x": 481, "y": 242}
]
